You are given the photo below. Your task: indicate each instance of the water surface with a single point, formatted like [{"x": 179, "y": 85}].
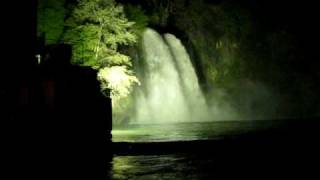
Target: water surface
[{"x": 187, "y": 131}]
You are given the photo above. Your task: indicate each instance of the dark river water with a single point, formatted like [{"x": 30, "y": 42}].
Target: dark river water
[
  {"x": 173, "y": 166},
  {"x": 182, "y": 165}
]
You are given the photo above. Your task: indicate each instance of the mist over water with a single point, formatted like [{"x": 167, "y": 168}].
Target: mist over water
[
  {"x": 169, "y": 90},
  {"x": 169, "y": 104}
]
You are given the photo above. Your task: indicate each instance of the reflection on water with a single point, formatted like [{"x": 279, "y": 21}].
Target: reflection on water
[
  {"x": 289, "y": 153},
  {"x": 160, "y": 167},
  {"x": 183, "y": 166},
  {"x": 187, "y": 131}
]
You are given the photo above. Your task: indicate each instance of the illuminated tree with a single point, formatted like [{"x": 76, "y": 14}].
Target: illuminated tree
[{"x": 96, "y": 29}]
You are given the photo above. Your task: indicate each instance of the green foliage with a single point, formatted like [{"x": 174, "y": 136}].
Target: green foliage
[
  {"x": 137, "y": 15},
  {"x": 96, "y": 29},
  {"x": 118, "y": 78},
  {"x": 161, "y": 12},
  {"x": 51, "y": 14},
  {"x": 121, "y": 80}
]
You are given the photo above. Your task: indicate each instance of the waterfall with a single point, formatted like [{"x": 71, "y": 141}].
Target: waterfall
[
  {"x": 169, "y": 90},
  {"x": 188, "y": 77}
]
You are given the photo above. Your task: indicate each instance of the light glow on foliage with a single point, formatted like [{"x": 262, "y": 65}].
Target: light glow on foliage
[
  {"x": 119, "y": 79},
  {"x": 96, "y": 29}
]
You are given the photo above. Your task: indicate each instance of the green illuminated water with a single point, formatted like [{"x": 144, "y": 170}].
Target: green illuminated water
[
  {"x": 187, "y": 131},
  {"x": 179, "y": 165},
  {"x": 158, "y": 167}
]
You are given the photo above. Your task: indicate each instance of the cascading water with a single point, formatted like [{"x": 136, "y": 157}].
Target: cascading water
[
  {"x": 169, "y": 90},
  {"x": 170, "y": 95},
  {"x": 188, "y": 78}
]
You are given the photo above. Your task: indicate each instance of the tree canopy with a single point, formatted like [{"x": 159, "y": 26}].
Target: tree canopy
[
  {"x": 51, "y": 15},
  {"x": 96, "y": 29}
]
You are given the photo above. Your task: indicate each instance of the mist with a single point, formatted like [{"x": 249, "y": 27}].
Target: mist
[{"x": 170, "y": 90}]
